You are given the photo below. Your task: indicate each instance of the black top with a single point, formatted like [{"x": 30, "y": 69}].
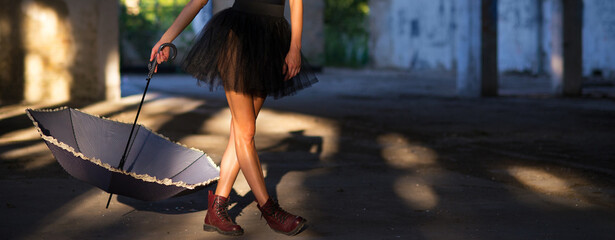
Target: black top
[
  {"x": 278, "y": 2},
  {"x": 273, "y": 8}
]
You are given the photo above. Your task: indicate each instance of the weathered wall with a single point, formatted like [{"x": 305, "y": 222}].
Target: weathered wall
[
  {"x": 519, "y": 38},
  {"x": 599, "y": 37},
  {"x": 60, "y": 50},
  {"x": 420, "y": 33},
  {"x": 412, "y": 34}
]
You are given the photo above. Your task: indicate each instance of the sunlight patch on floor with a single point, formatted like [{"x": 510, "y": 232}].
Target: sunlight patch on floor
[
  {"x": 10, "y": 111},
  {"x": 417, "y": 193},
  {"x": 400, "y": 153},
  {"x": 550, "y": 187},
  {"x": 540, "y": 180},
  {"x": 19, "y": 135},
  {"x": 28, "y": 151}
]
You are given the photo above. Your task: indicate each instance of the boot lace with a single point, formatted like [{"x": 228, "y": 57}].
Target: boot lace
[
  {"x": 277, "y": 213},
  {"x": 221, "y": 209}
]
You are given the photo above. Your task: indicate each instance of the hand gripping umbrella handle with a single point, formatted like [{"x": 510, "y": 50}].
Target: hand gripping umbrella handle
[{"x": 151, "y": 67}]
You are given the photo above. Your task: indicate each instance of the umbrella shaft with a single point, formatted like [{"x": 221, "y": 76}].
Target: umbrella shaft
[
  {"x": 152, "y": 68},
  {"x": 123, "y": 160}
]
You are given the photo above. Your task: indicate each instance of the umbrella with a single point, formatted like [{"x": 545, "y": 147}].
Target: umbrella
[{"x": 147, "y": 167}]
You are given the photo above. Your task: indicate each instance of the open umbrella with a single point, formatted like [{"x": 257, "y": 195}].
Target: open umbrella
[{"x": 121, "y": 158}]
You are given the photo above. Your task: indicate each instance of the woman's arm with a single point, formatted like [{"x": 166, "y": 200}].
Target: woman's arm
[
  {"x": 181, "y": 22},
  {"x": 293, "y": 58}
]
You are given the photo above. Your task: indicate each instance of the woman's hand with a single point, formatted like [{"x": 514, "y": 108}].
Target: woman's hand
[
  {"x": 293, "y": 64},
  {"x": 185, "y": 17},
  {"x": 161, "y": 57}
]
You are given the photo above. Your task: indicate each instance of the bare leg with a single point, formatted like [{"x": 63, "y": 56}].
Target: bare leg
[
  {"x": 244, "y": 127},
  {"x": 249, "y": 108},
  {"x": 229, "y": 166}
]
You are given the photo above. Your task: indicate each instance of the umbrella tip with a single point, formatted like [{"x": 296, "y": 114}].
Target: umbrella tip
[{"x": 109, "y": 200}]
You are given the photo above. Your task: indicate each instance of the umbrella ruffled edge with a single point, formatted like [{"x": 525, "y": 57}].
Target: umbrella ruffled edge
[{"x": 143, "y": 177}]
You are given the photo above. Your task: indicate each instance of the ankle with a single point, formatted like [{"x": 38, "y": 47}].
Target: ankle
[
  {"x": 261, "y": 202},
  {"x": 221, "y": 193}
]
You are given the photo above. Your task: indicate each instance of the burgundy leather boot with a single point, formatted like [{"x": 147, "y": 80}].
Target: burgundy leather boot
[
  {"x": 217, "y": 218},
  {"x": 280, "y": 220}
]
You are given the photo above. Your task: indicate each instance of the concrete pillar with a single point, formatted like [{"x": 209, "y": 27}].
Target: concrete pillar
[
  {"x": 11, "y": 55},
  {"x": 566, "y": 54},
  {"x": 59, "y": 50},
  {"x": 108, "y": 52},
  {"x": 476, "y": 44}
]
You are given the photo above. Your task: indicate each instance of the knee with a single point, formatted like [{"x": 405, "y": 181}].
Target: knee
[{"x": 245, "y": 133}]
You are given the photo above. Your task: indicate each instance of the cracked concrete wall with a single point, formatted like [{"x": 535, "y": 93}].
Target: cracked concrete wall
[{"x": 60, "y": 50}]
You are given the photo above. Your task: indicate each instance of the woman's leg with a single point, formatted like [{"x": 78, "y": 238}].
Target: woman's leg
[
  {"x": 217, "y": 218},
  {"x": 229, "y": 166},
  {"x": 244, "y": 127}
]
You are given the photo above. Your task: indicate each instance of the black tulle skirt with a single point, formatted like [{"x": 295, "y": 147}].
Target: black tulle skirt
[{"x": 243, "y": 49}]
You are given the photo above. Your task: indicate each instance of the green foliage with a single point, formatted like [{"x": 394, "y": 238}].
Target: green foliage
[
  {"x": 348, "y": 16},
  {"x": 346, "y": 35},
  {"x": 141, "y": 28}
]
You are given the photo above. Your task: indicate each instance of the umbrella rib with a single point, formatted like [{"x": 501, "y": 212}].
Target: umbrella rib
[
  {"x": 140, "y": 149},
  {"x": 72, "y": 125},
  {"x": 187, "y": 166},
  {"x": 132, "y": 141}
]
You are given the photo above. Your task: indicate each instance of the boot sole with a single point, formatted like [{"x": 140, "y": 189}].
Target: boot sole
[
  {"x": 210, "y": 228},
  {"x": 294, "y": 231}
]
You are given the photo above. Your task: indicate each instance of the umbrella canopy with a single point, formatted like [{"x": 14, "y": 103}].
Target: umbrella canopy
[{"x": 90, "y": 147}]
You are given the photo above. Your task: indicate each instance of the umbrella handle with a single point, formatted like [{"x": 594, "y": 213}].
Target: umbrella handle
[{"x": 151, "y": 66}]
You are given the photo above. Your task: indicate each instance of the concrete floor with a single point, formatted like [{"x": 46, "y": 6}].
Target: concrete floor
[{"x": 362, "y": 155}]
